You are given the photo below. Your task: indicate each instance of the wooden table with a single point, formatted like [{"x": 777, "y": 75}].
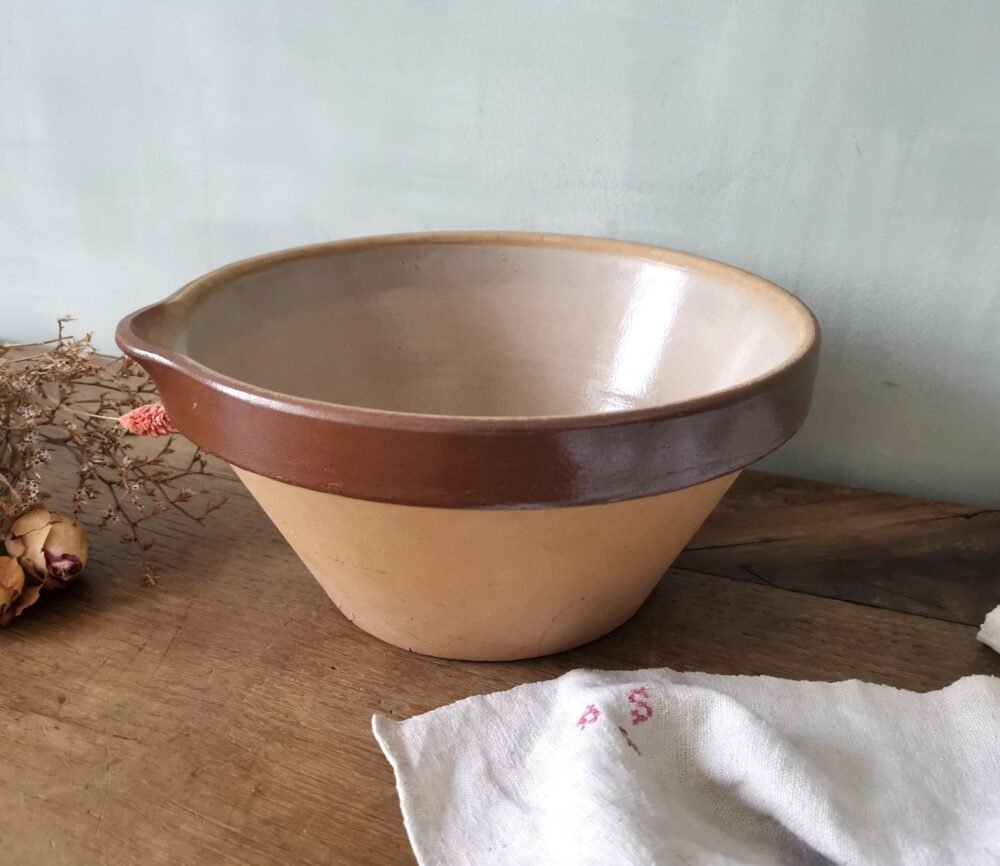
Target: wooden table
[{"x": 223, "y": 717}]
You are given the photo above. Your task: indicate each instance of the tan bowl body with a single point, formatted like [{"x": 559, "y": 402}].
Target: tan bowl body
[
  {"x": 483, "y": 445},
  {"x": 478, "y": 584}
]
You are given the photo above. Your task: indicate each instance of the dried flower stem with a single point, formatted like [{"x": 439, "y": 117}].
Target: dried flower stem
[{"x": 67, "y": 396}]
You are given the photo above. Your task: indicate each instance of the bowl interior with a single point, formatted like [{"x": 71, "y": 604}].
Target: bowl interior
[{"x": 494, "y": 329}]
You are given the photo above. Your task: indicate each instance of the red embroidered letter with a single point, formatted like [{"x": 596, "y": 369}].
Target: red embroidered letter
[
  {"x": 590, "y": 715},
  {"x": 642, "y": 711}
]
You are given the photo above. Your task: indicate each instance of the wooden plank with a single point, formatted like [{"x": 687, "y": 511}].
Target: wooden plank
[
  {"x": 224, "y": 716},
  {"x": 896, "y": 552}
]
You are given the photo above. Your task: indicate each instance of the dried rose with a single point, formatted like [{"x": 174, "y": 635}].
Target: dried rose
[
  {"x": 49, "y": 547},
  {"x": 14, "y": 596},
  {"x": 149, "y": 420},
  {"x": 25, "y": 539},
  {"x": 11, "y": 583}
]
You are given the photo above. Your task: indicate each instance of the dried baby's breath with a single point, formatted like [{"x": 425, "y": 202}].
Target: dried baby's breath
[{"x": 62, "y": 394}]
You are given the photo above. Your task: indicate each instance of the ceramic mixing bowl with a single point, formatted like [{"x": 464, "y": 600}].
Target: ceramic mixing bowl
[{"x": 483, "y": 446}]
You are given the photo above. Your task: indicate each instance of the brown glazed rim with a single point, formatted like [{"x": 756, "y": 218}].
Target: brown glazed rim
[{"x": 474, "y": 461}]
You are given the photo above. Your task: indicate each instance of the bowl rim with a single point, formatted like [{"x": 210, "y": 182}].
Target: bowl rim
[
  {"x": 749, "y": 419},
  {"x": 136, "y": 346}
]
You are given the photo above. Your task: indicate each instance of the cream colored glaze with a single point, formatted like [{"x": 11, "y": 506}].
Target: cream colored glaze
[
  {"x": 484, "y": 585},
  {"x": 497, "y": 329}
]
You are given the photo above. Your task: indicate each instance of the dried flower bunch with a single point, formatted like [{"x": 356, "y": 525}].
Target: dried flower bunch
[{"x": 61, "y": 394}]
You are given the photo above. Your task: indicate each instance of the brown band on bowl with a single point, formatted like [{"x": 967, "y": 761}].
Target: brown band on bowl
[{"x": 457, "y": 462}]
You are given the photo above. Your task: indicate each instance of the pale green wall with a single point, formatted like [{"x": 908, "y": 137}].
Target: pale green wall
[{"x": 847, "y": 150}]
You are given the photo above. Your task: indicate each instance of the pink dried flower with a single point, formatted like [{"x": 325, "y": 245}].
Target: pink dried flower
[{"x": 148, "y": 420}]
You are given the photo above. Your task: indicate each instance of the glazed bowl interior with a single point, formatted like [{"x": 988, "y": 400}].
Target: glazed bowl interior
[{"x": 489, "y": 329}]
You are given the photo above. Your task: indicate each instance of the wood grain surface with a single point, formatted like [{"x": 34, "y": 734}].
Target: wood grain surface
[
  {"x": 896, "y": 552},
  {"x": 224, "y": 716}
]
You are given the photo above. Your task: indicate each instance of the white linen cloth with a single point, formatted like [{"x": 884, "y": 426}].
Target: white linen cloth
[
  {"x": 989, "y": 633},
  {"x": 659, "y": 767}
]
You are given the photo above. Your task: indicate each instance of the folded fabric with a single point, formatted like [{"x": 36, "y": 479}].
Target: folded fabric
[
  {"x": 989, "y": 633},
  {"x": 659, "y": 767}
]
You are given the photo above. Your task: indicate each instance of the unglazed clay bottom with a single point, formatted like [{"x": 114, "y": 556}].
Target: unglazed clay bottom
[{"x": 486, "y": 584}]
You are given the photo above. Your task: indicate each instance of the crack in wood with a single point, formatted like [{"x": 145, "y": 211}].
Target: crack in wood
[
  {"x": 804, "y": 535},
  {"x": 832, "y": 598}
]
